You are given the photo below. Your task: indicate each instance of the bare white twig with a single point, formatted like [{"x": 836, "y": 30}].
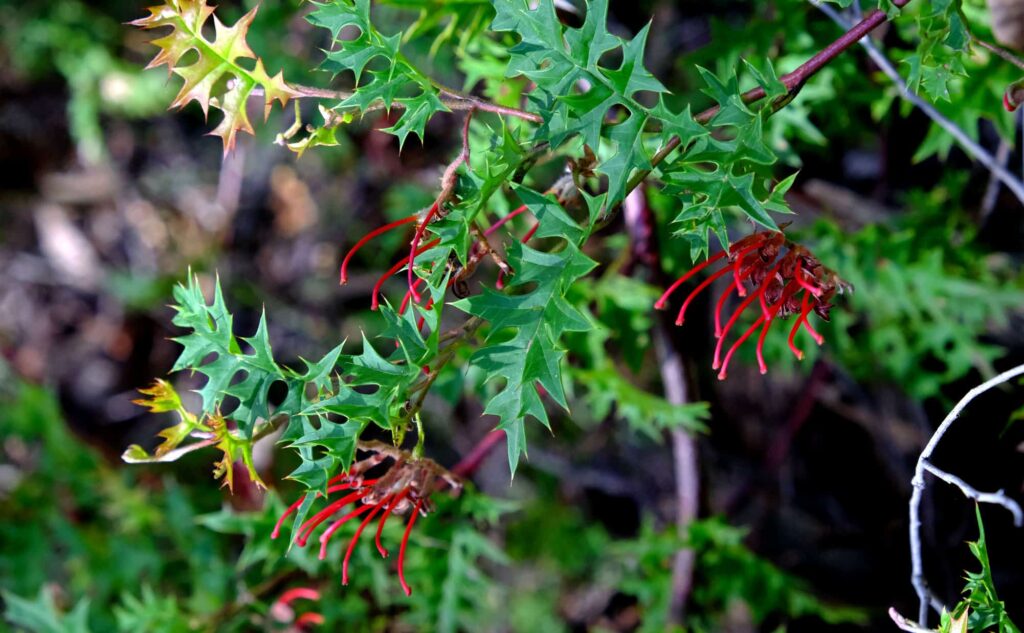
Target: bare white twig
[
  {"x": 976, "y": 151},
  {"x": 998, "y": 497},
  {"x": 904, "y": 624},
  {"x": 917, "y": 578}
]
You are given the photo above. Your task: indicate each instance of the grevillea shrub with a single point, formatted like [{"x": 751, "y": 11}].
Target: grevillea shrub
[{"x": 489, "y": 278}]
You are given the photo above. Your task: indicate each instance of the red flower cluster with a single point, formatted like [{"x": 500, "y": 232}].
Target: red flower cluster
[
  {"x": 416, "y": 248},
  {"x": 404, "y": 488},
  {"x": 783, "y": 284}
]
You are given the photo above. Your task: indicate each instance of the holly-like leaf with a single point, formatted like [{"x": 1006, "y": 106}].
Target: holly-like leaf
[
  {"x": 729, "y": 171},
  {"x": 534, "y": 308},
  {"x": 399, "y": 84},
  {"x": 215, "y": 78},
  {"x": 558, "y": 61}
]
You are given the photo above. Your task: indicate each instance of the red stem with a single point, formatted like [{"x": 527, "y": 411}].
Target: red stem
[
  {"x": 788, "y": 292},
  {"x": 369, "y": 236},
  {"x": 309, "y": 618},
  {"x": 375, "y": 302},
  {"x": 743, "y": 306},
  {"x": 502, "y": 221},
  {"x": 311, "y": 524},
  {"x": 298, "y": 593},
  {"x": 735, "y": 346},
  {"x": 814, "y": 290},
  {"x": 737, "y": 269},
  {"x": 415, "y": 243},
  {"x": 468, "y": 464},
  {"x": 401, "y": 548},
  {"x": 718, "y": 309}
]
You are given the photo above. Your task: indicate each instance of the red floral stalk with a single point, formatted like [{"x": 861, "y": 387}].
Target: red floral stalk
[
  {"x": 793, "y": 283},
  {"x": 413, "y": 248},
  {"x": 282, "y": 610},
  {"x": 309, "y": 618},
  {"x": 501, "y": 222},
  {"x": 660, "y": 303},
  {"x": 696, "y": 291},
  {"x": 401, "y": 548},
  {"x": 404, "y": 488},
  {"x": 369, "y": 236},
  {"x": 375, "y": 301}
]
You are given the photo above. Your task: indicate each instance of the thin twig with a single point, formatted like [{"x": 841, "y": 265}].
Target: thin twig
[
  {"x": 793, "y": 81},
  {"x": 998, "y": 497},
  {"x": 1000, "y": 51},
  {"x": 639, "y": 224},
  {"x": 468, "y": 464},
  {"x": 450, "y": 98},
  {"x": 917, "y": 578},
  {"x": 976, "y": 151},
  {"x": 904, "y": 624}
]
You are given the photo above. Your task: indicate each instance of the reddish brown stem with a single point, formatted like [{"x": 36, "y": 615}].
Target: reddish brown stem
[
  {"x": 808, "y": 69},
  {"x": 468, "y": 464}
]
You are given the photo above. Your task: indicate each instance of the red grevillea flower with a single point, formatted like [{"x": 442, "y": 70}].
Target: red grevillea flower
[
  {"x": 417, "y": 248},
  {"x": 282, "y": 610},
  {"x": 782, "y": 284},
  {"x": 403, "y": 489}
]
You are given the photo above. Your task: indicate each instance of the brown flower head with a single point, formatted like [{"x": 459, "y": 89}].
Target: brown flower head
[{"x": 404, "y": 488}]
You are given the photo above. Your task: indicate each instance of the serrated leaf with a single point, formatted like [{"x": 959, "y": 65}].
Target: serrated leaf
[
  {"x": 387, "y": 87},
  {"x": 536, "y": 309},
  {"x": 215, "y": 78}
]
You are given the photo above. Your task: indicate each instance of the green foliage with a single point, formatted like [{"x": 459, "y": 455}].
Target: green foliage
[
  {"x": 944, "y": 39},
  {"x": 716, "y": 174},
  {"x": 151, "y": 612},
  {"x": 558, "y": 59},
  {"x": 725, "y": 571},
  {"x": 539, "y": 315},
  {"x": 595, "y": 122},
  {"x": 920, "y": 310},
  {"x": 42, "y": 615},
  {"x": 324, "y": 389},
  {"x": 398, "y": 83},
  {"x": 983, "y": 610}
]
